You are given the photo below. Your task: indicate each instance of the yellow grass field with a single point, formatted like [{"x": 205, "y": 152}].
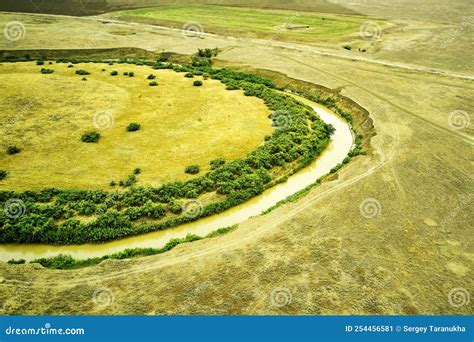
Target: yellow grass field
[{"x": 45, "y": 116}]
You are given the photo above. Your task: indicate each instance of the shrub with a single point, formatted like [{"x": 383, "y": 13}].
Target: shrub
[
  {"x": 112, "y": 183},
  {"x": 70, "y": 66},
  {"x": 13, "y": 149},
  {"x": 131, "y": 74},
  {"x": 39, "y": 62},
  {"x": 84, "y": 79},
  {"x": 90, "y": 137},
  {"x": 125, "y": 73},
  {"x": 137, "y": 171},
  {"x": 114, "y": 73},
  {"x": 197, "y": 83},
  {"x": 192, "y": 169},
  {"x": 175, "y": 208},
  {"x": 16, "y": 262},
  {"x": 347, "y": 47},
  {"x": 46, "y": 71},
  {"x": 216, "y": 163},
  {"x": 189, "y": 75},
  {"x": 132, "y": 179},
  {"x": 82, "y": 72},
  {"x": 132, "y": 127},
  {"x": 152, "y": 84},
  {"x": 3, "y": 174},
  {"x": 151, "y": 77}
]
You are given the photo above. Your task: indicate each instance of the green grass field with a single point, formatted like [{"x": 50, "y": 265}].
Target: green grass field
[{"x": 262, "y": 23}]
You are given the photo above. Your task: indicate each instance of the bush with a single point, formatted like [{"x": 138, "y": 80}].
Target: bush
[
  {"x": 112, "y": 183},
  {"x": 153, "y": 84},
  {"x": 90, "y": 137},
  {"x": 46, "y": 71},
  {"x": 3, "y": 174},
  {"x": 131, "y": 74},
  {"x": 84, "y": 79},
  {"x": 189, "y": 75},
  {"x": 13, "y": 149},
  {"x": 217, "y": 163},
  {"x": 16, "y": 262},
  {"x": 137, "y": 171},
  {"x": 114, "y": 73},
  {"x": 197, "y": 83},
  {"x": 192, "y": 169},
  {"x": 151, "y": 77},
  {"x": 70, "y": 66},
  {"x": 39, "y": 62},
  {"x": 133, "y": 127},
  {"x": 82, "y": 72},
  {"x": 347, "y": 47}
]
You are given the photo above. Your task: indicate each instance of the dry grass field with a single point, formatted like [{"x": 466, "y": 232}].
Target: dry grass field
[
  {"x": 330, "y": 256},
  {"x": 46, "y": 115}
]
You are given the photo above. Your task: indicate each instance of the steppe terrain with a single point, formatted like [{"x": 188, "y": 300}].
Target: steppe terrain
[{"x": 406, "y": 253}]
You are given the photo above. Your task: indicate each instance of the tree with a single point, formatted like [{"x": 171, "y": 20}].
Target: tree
[
  {"x": 82, "y": 72},
  {"x": 114, "y": 73},
  {"x": 197, "y": 83},
  {"x": 13, "y": 149},
  {"x": 132, "y": 127},
  {"x": 192, "y": 169},
  {"x": 90, "y": 137}
]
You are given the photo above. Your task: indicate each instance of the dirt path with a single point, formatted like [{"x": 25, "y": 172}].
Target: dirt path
[{"x": 271, "y": 43}]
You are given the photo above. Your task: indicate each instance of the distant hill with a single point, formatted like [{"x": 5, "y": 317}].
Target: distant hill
[{"x": 91, "y": 7}]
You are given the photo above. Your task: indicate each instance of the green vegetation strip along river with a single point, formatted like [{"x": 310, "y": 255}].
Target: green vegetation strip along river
[{"x": 298, "y": 142}]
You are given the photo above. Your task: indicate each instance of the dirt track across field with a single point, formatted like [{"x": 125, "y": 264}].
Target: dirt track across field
[{"x": 390, "y": 234}]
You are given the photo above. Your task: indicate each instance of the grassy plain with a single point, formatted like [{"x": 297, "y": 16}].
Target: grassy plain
[
  {"x": 250, "y": 22},
  {"x": 406, "y": 260},
  {"x": 45, "y": 116}
]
